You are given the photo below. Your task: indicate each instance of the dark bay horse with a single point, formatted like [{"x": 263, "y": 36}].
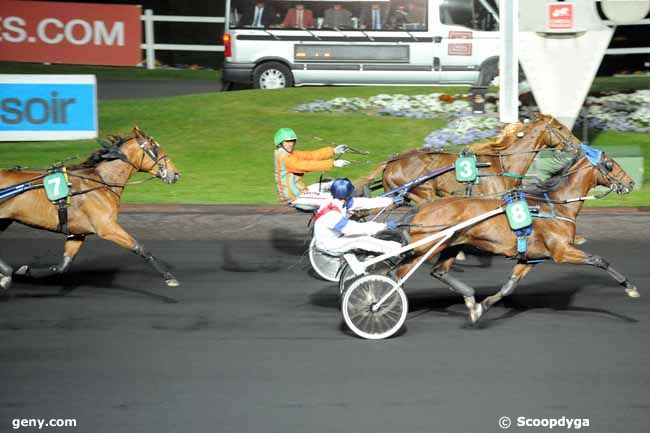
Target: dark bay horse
[
  {"x": 96, "y": 190},
  {"x": 509, "y": 155},
  {"x": 551, "y": 238}
]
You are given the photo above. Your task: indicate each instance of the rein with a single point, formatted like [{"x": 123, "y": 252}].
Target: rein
[{"x": 102, "y": 184}]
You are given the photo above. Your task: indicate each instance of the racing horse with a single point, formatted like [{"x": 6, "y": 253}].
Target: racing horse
[
  {"x": 559, "y": 199},
  {"x": 96, "y": 189},
  {"x": 509, "y": 156}
]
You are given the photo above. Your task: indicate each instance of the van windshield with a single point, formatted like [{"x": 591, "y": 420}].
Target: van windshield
[
  {"x": 473, "y": 14},
  {"x": 395, "y": 15}
]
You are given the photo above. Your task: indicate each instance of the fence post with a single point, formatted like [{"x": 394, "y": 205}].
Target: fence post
[{"x": 149, "y": 39}]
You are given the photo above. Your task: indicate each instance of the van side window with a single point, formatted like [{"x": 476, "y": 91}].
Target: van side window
[
  {"x": 409, "y": 15},
  {"x": 473, "y": 14}
]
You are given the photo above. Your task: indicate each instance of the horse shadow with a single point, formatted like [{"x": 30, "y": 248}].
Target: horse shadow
[
  {"x": 287, "y": 242},
  {"x": 63, "y": 285},
  {"x": 528, "y": 297}
]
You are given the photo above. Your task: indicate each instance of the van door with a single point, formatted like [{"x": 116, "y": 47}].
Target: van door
[{"x": 466, "y": 35}]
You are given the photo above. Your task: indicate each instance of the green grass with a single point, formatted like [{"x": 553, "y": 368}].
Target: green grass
[
  {"x": 636, "y": 198},
  {"x": 222, "y": 142},
  {"x": 108, "y": 72},
  {"x": 618, "y": 84}
]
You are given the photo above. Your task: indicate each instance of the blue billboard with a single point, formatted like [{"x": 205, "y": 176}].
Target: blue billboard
[{"x": 47, "y": 107}]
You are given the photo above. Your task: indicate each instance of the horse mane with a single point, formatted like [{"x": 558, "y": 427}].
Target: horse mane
[
  {"x": 502, "y": 141},
  {"x": 557, "y": 175},
  {"x": 110, "y": 151},
  {"x": 408, "y": 154}
]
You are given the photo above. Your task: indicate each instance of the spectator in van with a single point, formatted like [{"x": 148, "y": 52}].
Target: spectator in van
[
  {"x": 336, "y": 17},
  {"x": 260, "y": 14},
  {"x": 374, "y": 17},
  {"x": 298, "y": 18},
  {"x": 399, "y": 17},
  {"x": 417, "y": 12}
]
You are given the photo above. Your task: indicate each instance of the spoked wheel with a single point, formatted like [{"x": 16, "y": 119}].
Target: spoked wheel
[
  {"x": 347, "y": 277},
  {"x": 359, "y": 303},
  {"x": 326, "y": 266}
]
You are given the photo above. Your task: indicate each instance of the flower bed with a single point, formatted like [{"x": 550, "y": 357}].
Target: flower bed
[
  {"x": 463, "y": 128},
  {"x": 617, "y": 112}
]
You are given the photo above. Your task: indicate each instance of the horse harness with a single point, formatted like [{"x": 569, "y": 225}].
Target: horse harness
[{"x": 62, "y": 201}]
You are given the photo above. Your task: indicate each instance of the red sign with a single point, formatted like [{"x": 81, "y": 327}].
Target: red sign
[
  {"x": 560, "y": 16},
  {"x": 79, "y": 33},
  {"x": 459, "y": 49},
  {"x": 460, "y": 35}
]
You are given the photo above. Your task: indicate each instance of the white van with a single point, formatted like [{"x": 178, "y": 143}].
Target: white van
[{"x": 277, "y": 43}]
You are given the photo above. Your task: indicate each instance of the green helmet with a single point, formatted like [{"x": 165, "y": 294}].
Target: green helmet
[{"x": 284, "y": 134}]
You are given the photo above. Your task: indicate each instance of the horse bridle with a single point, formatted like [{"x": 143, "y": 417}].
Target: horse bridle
[
  {"x": 553, "y": 131},
  {"x": 605, "y": 168},
  {"x": 152, "y": 152}
]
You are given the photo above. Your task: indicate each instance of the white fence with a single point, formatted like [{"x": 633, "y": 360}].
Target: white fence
[{"x": 150, "y": 45}]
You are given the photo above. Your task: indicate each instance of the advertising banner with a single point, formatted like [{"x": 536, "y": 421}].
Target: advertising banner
[
  {"x": 47, "y": 107},
  {"x": 78, "y": 33}
]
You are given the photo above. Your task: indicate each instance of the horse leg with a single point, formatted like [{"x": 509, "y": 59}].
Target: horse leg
[
  {"x": 575, "y": 256},
  {"x": 71, "y": 248},
  {"x": 579, "y": 240},
  {"x": 518, "y": 273},
  {"x": 115, "y": 233},
  {"x": 440, "y": 272},
  {"x": 6, "y": 271}
]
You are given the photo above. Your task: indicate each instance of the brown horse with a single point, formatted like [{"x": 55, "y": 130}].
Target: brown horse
[
  {"x": 509, "y": 156},
  {"x": 96, "y": 189},
  {"x": 551, "y": 238}
]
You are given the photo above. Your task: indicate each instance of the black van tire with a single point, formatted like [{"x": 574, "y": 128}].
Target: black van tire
[{"x": 273, "y": 70}]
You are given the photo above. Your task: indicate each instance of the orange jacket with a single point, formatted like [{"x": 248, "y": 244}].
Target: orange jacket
[{"x": 290, "y": 168}]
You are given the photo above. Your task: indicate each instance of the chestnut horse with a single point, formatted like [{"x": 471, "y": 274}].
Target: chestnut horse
[
  {"x": 509, "y": 156},
  {"x": 96, "y": 190},
  {"x": 561, "y": 195}
]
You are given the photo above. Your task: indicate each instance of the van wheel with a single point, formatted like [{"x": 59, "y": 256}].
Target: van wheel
[
  {"x": 226, "y": 86},
  {"x": 272, "y": 75}
]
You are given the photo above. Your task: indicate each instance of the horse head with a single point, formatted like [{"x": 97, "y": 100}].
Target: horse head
[
  {"x": 610, "y": 174},
  {"x": 146, "y": 155},
  {"x": 557, "y": 136}
]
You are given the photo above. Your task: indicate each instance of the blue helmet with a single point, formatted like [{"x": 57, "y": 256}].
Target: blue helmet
[{"x": 342, "y": 189}]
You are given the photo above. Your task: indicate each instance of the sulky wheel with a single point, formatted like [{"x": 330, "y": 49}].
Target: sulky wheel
[
  {"x": 347, "y": 277},
  {"x": 359, "y": 302},
  {"x": 326, "y": 266}
]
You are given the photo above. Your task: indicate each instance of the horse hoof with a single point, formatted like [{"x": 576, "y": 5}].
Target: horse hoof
[
  {"x": 172, "y": 282},
  {"x": 22, "y": 271},
  {"x": 5, "y": 282},
  {"x": 633, "y": 292},
  {"x": 476, "y": 312},
  {"x": 579, "y": 240}
]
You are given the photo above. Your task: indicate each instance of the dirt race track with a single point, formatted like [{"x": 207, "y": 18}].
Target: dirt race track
[{"x": 252, "y": 343}]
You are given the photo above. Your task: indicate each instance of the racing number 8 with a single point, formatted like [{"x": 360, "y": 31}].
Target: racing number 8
[{"x": 519, "y": 214}]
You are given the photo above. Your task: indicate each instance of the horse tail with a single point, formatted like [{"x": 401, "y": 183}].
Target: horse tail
[{"x": 364, "y": 182}]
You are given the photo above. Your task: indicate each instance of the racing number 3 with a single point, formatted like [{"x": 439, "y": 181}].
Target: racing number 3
[{"x": 466, "y": 169}]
